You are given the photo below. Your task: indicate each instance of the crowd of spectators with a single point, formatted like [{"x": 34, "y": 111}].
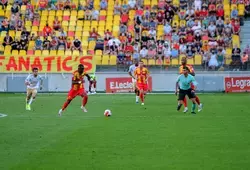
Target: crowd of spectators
[{"x": 198, "y": 27}]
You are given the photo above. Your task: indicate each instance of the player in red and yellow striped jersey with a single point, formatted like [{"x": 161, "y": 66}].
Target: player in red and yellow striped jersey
[
  {"x": 77, "y": 89},
  {"x": 141, "y": 75},
  {"x": 191, "y": 71}
]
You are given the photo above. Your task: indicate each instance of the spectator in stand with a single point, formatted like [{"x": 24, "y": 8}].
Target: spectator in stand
[
  {"x": 77, "y": 45},
  {"x": 103, "y": 4},
  {"x": 160, "y": 18},
  {"x": 190, "y": 51},
  {"x": 197, "y": 5},
  {"x": 19, "y": 24},
  {"x": 236, "y": 60},
  {"x": 220, "y": 58},
  {"x": 107, "y": 35},
  {"x": 90, "y": 4},
  {"x": 120, "y": 58},
  {"x": 5, "y": 24},
  {"x": 117, "y": 8},
  {"x": 182, "y": 14},
  {"x": 220, "y": 11},
  {"x": 15, "y": 45},
  {"x": 234, "y": 13},
  {"x": 93, "y": 35},
  {"x": 245, "y": 60},
  {"x": 8, "y": 40},
  {"x": 46, "y": 44},
  {"x": 190, "y": 38},
  {"x": 144, "y": 53},
  {"x": 159, "y": 50},
  {"x": 123, "y": 28},
  {"x": 68, "y": 44},
  {"x": 60, "y": 5},
  {"x": 204, "y": 13},
  {"x": 88, "y": 14},
  {"x": 63, "y": 33},
  {"x": 13, "y": 20},
  {"x": 100, "y": 43},
  {"x": 113, "y": 39},
  {"x": 95, "y": 14},
  {"x": 220, "y": 26},
  {"x": 247, "y": 9},
  {"x": 47, "y": 30},
  {"x": 221, "y": 42},
  {"x": 38, "y": 44},
  {"x": 61, "y": 43},
  {"x": 212, "y": 18},
  {"x": 190, "y": 13},
  {"x": 15, "y": 8},
  {"x": 190, "y": 23},
  {"x": 56, "y": 24},
  {"x": 152, "y": 32},
  {"x": 123, "y": 39},
  {"x": 153, "y": 24},
  {"x": 213, "y": 62},
  {"x": 24, "y": 42},
  {"x": 137, "y": 30},
  {"x": 3, "y": 3},
  {"x": 196, "y": 28},
  {"x": 211, "y": 28},
  {"x": 131, "y": 4},
  {"x": 67, "y": 5},
  {"x": 167, "y": 52},
  {"x": 113, "y": 49},
  {"x": 124, "y": 18},
  {"x": 43, "y": 4},
  {"x": 247, "y": 49},
  {"x": 136, "y": 48},
  {"x": 54, "y": 44},
  {"x": 152, "y": 53},
  {"x": 236, "y": 28}
]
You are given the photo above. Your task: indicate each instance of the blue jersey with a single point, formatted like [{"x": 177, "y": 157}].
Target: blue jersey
[{"x": 185, "y": 82}]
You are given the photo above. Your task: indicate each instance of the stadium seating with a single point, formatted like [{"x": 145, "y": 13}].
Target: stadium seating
[{"x": 107, "y": 20}]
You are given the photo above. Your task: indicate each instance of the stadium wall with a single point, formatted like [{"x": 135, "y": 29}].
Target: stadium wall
[{"x": 161, "y": 82}]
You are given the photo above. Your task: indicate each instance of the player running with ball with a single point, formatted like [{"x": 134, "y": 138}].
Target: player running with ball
[
  {"x": 33, "y": 83},
  {"x": 131, "y": 72},
  {"x": 77, "y": 89},
  {"x": 183, "y": 84},
  {"x": 141, "y": 75},
  {"x": 190, "y": 71}
]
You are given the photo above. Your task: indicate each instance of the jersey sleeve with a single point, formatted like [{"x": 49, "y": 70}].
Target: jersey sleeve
[
  {"x": 191, "y": 69},
  {"x": 130, "y": 69},
  {"x": 27, "y": 79},
  {"x": 75, "y": 76},
  {"x": 178, "y": 79},
  {"x": 194, "y": 81},
  {"x": 180, "y": 70}
]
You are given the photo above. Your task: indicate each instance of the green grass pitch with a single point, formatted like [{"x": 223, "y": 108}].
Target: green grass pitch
[{"x": 150, "y": 137}]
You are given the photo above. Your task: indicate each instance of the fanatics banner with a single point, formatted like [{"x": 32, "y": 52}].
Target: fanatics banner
[
  {"x": 237, "y": 84},
  {"x": 48, "y": 64},
  {"x": 123, "y": 84}
]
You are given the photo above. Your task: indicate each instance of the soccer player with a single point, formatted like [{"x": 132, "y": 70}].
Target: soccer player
[
  {"x": 131, "y": 72},
  {"x": 183, "y": 84},
  {"x": 33, "y": 83},
  {"x": 92, "y": 83},
  {"x": 77, "y": 89},
  {"x": 191, "y": 71},
  {"x": 141, "y": 75}
]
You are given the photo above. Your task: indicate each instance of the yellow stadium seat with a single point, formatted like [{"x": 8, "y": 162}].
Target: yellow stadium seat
[
  {"x": 98, "y": 52},
  {"x": 73, "y": 18},
  {"x": 22, "y": 53},
  {"x": 113, "y": 60},
  {"x": 233, "y": 6},
  {"x": 12, "y": 33},
  {"x": 59, "y": 13},
  {"x": 94, "y": 23},
  {"x": 86, "y": 23},
  {"x": 110, "y": 13},
  {"x": 92, "y": 45},
  {"x": 2, "y": 13},
  {"x": 103, "y": 13},
  {"x": 52, "y": 13},
  {"x": 1, "y": 48},
  {"x": 79, "y": 23},
  {"x": 86, "y": 28},
  {"x": 78, "y": 33},
  {"x": 84, "y": 52},
  {"x": 117, "y": 18},
  {"x": 151, "y": 62},
  {"x": 190, "y": 61},
  {"x": 15, "y": 53},
  {"x": 76, "y": 53},
  {"x": 68, "y": 53},
  {"x": 79, "y": 28},
  {"x": 80, "y": 14},
  {"x": 98, "y": 59},
  {"x": 197, "y": 59},
  {"x": 53, "y": 52},
  {"x": 174, "y": 61},
  {"x": 102, "y": 23},
  {"x": 65, "y": 23},
  {"x": 73, "y": 13},
  {"x": 66, "y": 13},
  {"x": 85, "y": 44},
  {"x": 18, "y": 34},
  {"x": 45, "y": 13},
  {"x": 60, "y": 52},
  {"x": 105, "y": 60},
  {"x": 71, "y": 28},
  {"x": 226, "y": 7},
  {"x": 85, "y": 33},
  {"x": 45, "y": 52},
  {"x": 145, "y": 61}
]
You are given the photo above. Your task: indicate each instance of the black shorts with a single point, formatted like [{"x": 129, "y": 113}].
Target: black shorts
[{"x": 183, "y": 93}]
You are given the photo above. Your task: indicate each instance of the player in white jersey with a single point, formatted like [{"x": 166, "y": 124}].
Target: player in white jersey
[
  {"x": 33, "y": 83},
  {"x": 131, "y": 73}
]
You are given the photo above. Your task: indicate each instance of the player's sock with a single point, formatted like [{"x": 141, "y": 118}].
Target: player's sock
[
  {"x": 90, "y": 88},
  {"x": 193, "y": 107},
  {"x": 65, "y": 105},
  {"x": 185, "y": 102},
  {"x": 197, "y": 100},
  {"x": 84, "y": 100},
  {"x": 142, "y": 97},
  {"x": 137, "y": 98},
  {"x": 179, "y": 106},
  {"x": 30, "y": 101}
]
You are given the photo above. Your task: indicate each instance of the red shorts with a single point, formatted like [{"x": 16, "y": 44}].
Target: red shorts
[
  {"x": 192, "y": 86},
  {"x": 142, "y": 86},
  {"x": 73, "y": 93}
]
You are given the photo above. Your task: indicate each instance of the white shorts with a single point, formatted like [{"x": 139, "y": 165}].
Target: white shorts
[
  {"x": 31, "y": 92},
  {"x": 134, "y": 83}
]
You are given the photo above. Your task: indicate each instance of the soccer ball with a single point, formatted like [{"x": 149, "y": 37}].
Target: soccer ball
[{"x": 107, "y": 113}]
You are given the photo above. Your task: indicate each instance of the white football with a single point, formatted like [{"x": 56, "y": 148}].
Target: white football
[{"x": 107, "y": 113}]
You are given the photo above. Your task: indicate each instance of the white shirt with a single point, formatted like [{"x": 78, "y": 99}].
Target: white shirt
[
  {"x": 132, "y": 69},
  {"x": 117, "y": 42},
  {"x": 196, "y": 28},
  {"x": 34, "y": 82},
  {"x": 132, "y": 3},
  {"x": 152, "y": 32},
  {"x": 144, "y": 52}
]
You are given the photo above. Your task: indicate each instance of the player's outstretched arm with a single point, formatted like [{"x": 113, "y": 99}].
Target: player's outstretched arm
[
  {"x": 27, "y": 81},
  {"x": 88, "y": 77}
]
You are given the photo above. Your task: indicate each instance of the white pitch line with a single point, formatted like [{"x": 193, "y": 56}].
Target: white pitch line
[{"x": 2, "y": 115}]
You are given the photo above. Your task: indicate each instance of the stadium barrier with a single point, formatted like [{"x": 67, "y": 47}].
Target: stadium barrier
[{"x": 161, "y": 82}]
